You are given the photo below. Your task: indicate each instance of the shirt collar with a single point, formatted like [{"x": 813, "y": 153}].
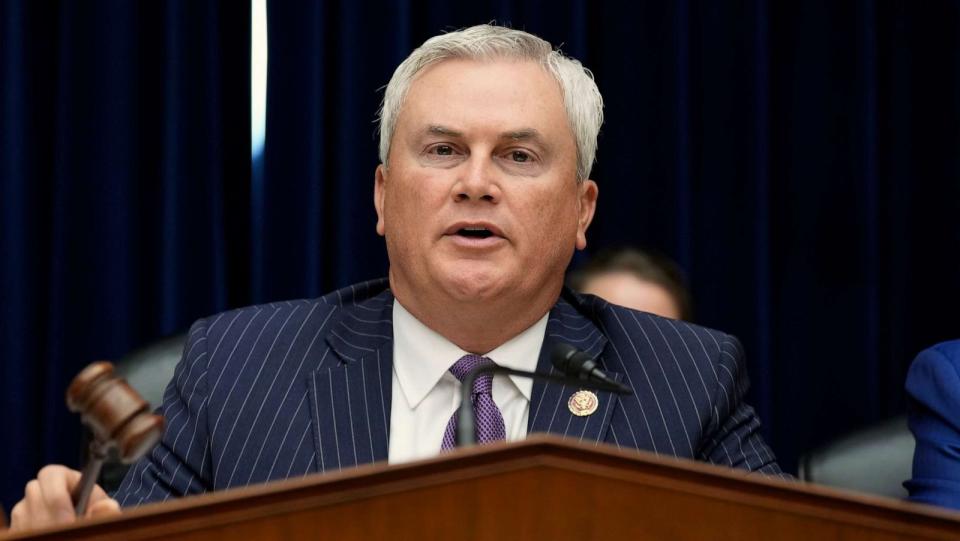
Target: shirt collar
[{"x": 422, "y": 356}]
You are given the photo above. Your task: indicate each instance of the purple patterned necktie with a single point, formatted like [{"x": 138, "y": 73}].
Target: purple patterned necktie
[{"x": 489, "y": 420}]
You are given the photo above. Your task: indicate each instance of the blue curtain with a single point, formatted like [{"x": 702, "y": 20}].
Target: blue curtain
[
  {"x": 799, "y": 159},
  {"x": 124, "y": 174}
]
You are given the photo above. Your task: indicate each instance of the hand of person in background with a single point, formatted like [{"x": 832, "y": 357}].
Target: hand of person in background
[{"x": 47, "y": 502}]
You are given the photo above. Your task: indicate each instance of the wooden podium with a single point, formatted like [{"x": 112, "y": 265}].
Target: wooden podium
[{"x": 541, "y": 488}]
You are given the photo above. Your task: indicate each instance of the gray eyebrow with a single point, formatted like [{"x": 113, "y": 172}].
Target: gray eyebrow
[
  {"x": 436, "y": 129},
  {"x": 516, "y": 135},
  {"x": 522, "y": 135}
]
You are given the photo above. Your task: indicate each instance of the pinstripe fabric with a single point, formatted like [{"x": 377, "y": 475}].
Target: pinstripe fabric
[
  {"x": 244, "y": 407},
  {"x": 289, "y": 388},
  {"x": 688, "y": 384}
]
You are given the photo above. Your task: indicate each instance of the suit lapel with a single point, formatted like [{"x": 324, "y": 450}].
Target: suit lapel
[
  {"x": 350, "y": 392},
  {"x": 549, "y": 411}
]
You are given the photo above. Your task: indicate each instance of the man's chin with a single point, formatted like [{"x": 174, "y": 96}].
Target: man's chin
[{"x": 474, "y": 288}]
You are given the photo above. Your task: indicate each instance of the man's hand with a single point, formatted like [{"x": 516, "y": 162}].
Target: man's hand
[{"x": 46, "y": 500}]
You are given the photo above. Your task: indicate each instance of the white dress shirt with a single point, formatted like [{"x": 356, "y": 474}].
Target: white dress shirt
[{"x": 425, "y": 393}]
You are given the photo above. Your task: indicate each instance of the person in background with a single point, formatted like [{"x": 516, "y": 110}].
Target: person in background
[
  {"x": 933, "y": 390},
  {"x": 636, "y": 279}
]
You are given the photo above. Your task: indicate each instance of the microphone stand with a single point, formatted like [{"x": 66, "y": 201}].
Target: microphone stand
[{"x": 466, "y": 426}]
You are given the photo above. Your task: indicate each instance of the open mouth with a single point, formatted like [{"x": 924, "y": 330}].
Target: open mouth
[{"x": 475, "y": 232}]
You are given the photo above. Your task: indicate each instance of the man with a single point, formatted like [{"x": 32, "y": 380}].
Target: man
[
  {"x": 487, "y": 141},
  {"x": 636, "y": 279}
]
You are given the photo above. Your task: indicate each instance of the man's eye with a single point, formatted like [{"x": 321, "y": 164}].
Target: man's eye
[
  {"x": 443, "y": 150},
  {"x": 519, "y": 156}
]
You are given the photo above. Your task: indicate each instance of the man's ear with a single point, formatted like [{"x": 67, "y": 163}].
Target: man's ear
[
  {"x": 379, "y": 193},
  {"x": 588, "y": 192}
]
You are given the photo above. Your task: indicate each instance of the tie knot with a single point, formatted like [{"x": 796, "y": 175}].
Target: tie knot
[{"x": 484, "y": 382}]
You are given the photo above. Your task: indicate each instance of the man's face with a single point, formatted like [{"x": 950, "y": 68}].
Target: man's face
[
  {"x": 480, "y": 198},
  {"x": 626, "y": 289}
]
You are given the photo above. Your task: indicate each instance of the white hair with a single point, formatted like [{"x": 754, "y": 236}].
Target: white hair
[{"x": 581, "y": 97}]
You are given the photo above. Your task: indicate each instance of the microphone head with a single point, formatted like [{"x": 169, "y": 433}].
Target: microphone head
[
  {"x": 577, "y": 364},
  {"x": 565, "y": 359}
]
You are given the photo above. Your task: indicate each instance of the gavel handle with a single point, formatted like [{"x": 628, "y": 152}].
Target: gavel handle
[{"x": 88, "y": 479}]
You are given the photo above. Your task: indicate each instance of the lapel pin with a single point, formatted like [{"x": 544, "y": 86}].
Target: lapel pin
[{"x": 583, "y": 403}]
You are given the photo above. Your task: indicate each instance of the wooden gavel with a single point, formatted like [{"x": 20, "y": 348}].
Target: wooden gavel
[{"x": 119, "y": 419}]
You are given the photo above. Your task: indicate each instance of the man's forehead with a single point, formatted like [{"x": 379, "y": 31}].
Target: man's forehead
[
  {"x": 519, "y": 96},
  {"x": 515, "y": 134},
  {"x": 461, "y": 75}
]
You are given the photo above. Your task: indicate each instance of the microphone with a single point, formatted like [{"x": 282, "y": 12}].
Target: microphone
[
  {"x": 572, "y": 372},
  {"x": 575, "y": 363}
]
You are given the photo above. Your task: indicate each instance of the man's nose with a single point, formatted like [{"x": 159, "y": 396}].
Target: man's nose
[{"x": 477, "y": 181}]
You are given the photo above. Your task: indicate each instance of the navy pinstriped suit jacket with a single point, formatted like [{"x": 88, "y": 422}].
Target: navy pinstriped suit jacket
[{"x": 291, "y": 388}]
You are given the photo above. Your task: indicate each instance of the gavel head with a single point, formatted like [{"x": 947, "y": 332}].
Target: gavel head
[{"x": 114, "y": 411}]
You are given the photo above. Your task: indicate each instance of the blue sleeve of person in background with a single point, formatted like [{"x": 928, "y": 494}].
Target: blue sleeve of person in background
[{"x": 933, "y": 387}]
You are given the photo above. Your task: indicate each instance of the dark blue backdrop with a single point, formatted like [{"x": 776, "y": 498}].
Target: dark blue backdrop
[{"x": 801, "y": 160}]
